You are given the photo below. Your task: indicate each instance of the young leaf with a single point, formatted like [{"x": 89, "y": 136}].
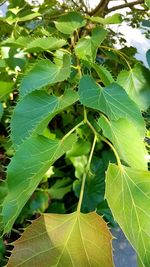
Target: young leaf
[
  {"x": 30, "y": 163},
  {"x": 70, "y": 240},
  {"x": 43, "y": 73},
  {"x": 126, "y": 140},
  {"x": 136, "y": 82},
  {"x": 104, "y": 74},
  {"x": 86, "y": 48},
  {"x": 114, "y": 19},
  {"x": 112, "y": 100},
  {"x": 70, "y": 22},
  {"x": 35, "y": 111},
  {"x": 128, "y": 195}
]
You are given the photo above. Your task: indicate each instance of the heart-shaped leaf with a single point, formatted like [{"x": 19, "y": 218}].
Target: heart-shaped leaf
[
  {"x": 70, "y": 22},
  {"x": 112, "y": 100},
  {"x": 72, "y": 240}
]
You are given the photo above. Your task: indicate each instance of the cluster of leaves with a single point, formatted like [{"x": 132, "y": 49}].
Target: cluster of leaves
[{"x": 65, "y": 116}]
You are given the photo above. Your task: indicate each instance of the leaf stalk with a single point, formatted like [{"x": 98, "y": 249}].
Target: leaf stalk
[{"x": 85, "y": 175}]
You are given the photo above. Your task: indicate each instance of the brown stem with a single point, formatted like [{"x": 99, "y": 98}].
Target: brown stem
[
  {"x": 101, "y": 7},
  {"x": 131, "y": 4}
]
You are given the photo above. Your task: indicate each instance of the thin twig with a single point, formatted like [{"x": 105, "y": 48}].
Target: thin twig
[
  {"x": 131, "y": 4},
  {"x": 85, "y": 174},
  {"x": 3, "y": 2},
  {"x": 100, "y": 7}
]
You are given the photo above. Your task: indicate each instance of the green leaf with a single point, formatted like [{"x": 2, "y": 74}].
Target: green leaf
[
  {"x": 112, "y": 100},
  {"x": 94, "y": 185},
  {"x": 47, "y": 43},
  {"x": 60, "y": 188},
  {"x": 86, "y": 47},
  {"x": 22, "y": 42},
  {"x": 103, "y": 74},
  {"x": 147, "y": 3},
  {"x": 5, "y": 89},
  {"x": 70, "y": 240},
  {"x": 40, "y": 109},
  {"x": 136, "y": 82},
  {"x": 21, "y": 17},
  {"x": 80, "y": 164},
  {"x": 148, "y": 57},
  {"x": 39, "y": 202},
  {"x": 3, "y": 194},
  {"x": 2, "y": 63},
  {"x": 30, "y": 163},
  {"x": 70, "y": 22},
  {"x": 1, "y": 110},
  {"x": 128, "y": 195},
  {"x": 56, "y": 207},
  {"x": 114, "y": 19},
  {"x": 76, "y": 150},
  {"x": 43, "y": 73},
  {"x": 28, "y": 16},
  {"x": 35, "y": 44},
  {"x": 126, "y": 140}
]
